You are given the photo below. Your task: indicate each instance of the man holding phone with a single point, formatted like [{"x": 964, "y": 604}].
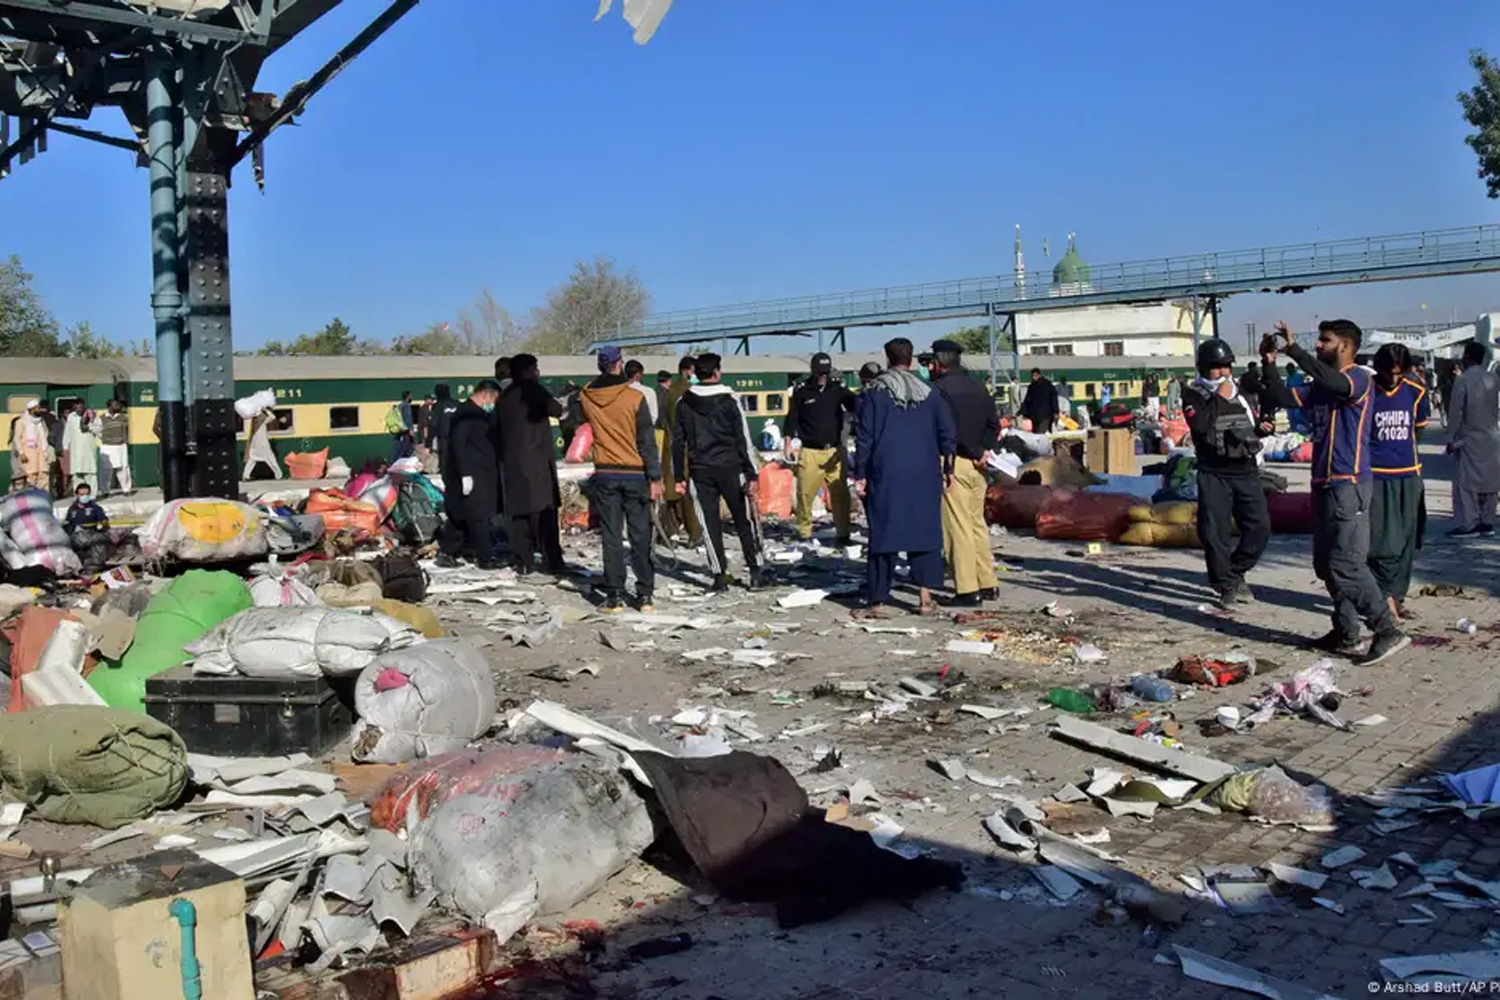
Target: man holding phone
[{"x": 1337, "y": 401}]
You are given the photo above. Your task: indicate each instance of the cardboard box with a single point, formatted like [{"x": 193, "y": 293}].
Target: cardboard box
[{"x": 1112, "y": 451}]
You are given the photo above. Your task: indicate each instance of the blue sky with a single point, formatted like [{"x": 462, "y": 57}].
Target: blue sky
[{"x": 786, "y": 147}]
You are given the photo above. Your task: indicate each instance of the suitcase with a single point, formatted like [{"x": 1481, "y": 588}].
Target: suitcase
[{"x": 250, "y": 716}]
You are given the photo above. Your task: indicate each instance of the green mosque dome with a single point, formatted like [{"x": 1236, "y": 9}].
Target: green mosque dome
[{"x": 1071, "y": 270}]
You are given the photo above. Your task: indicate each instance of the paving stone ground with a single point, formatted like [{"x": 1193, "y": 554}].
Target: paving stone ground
[{"x": 1003, "y": 935}]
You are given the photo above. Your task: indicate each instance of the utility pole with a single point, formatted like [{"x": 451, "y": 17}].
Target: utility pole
[{"x": 1250, "y": 338}]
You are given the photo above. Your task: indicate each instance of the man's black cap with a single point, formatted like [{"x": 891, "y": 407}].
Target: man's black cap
[
  {"x": 821, "y": 364},
  {"x": 946, "y": 347}
]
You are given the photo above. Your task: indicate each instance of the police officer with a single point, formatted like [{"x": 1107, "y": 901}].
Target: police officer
[
  {"x": 815, "y": 421},
  {"x": 1226, "y": 435},
  {"x": 966, "y": 537}
]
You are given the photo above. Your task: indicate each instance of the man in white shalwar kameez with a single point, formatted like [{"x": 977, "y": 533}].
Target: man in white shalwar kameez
[
  {"x": 82, "y": 450},
  {"x": 259, "y": 450},
  {"x": 1474, "y": 426}
]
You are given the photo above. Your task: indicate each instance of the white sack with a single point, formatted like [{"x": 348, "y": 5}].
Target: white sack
[
  {"x": 298, "y": 642},
  {"x": 166, "y": 533},
  {"x": 448, "y": 700},
  {"x": 30, "y": 534},
  {"x": 253, "y": 404}
]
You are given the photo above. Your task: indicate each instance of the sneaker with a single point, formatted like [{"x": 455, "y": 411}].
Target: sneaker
[
  {"x": 1485, "y": 529},
  {"x": 720, "y": 584},
  {"x": 989, "y": 593},
  {"x": 970, "y": 600},
  {"x": 613, "y": 604},
  {"x": 1465, "y": 532},
  {"x": 756, "y": 581},
  {"x": 446, "y": 561},
  {"x": 1336, "y": 642},
  {"x": 644, "y": 603},
  {"x": 1385, "y": 645},
  {"x": 1240, "y": 593}
]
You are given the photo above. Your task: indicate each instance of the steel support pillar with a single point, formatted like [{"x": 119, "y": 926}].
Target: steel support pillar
[
  {"x": 838, "y": 340},
  {"x": 1213, "y": 315},
  {"x": 994, "y": 324},
  {"x": 166, "y": 295},
  {"x": 1015, "y": 362},
  {"x": 210, "y": 356},
  {"x": 822, "y": 337},
  {"x": 1197, "y": 324}
]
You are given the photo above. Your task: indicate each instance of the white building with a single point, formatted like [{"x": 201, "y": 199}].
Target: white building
[{"x": 1155, "y": 329}]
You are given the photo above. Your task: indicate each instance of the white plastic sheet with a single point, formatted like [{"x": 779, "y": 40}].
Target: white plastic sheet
[{"x": 559, "y": 831}]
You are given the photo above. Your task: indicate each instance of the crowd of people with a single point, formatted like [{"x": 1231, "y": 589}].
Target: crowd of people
[
  {"x": 668, "y": 458},
  {"x": 58, "y": 452}
]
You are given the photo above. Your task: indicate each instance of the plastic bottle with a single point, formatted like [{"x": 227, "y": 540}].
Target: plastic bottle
[
  {"x": 1069, "y": 700},
  {"x": 1464, "y": 625},
  {"x": 1151, "y": 688}
]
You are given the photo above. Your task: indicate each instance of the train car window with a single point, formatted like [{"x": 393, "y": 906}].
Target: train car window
[
  {"x": 750, "y": 403},
  {"x": 285, "y": 421},
  {"x": 1114, "y": 348},
  {"x": 1063, "y": 350},
  {"x": 1088, "y": 390},
  {"x": 17, "y": 404},
  {"x": 343, "y": 418},
  {"x": 775, "y": 403},
  {"x": 65, "y": 403}
]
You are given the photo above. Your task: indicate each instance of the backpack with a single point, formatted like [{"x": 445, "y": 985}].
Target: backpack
[
  {"x": 394, "y": 424},
  {"x": 401, "y": 579},
  {"x": 415, "y": 514}
]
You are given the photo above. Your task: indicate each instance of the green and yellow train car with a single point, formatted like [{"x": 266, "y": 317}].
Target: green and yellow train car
[{"x": 341, "y": 403}]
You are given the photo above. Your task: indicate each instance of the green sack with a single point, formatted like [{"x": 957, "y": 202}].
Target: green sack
[
  {"x": 86, "y": 764},
  {"x": 194, "y": 603}
]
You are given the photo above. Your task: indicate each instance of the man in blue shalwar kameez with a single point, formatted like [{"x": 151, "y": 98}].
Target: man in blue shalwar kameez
[{"x": 903, "y": 461}]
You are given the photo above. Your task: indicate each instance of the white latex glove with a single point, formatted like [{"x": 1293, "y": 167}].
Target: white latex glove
[{"x": 468, "y": 485}]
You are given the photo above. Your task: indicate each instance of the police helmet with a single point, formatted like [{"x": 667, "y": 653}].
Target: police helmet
[{"x": 1214, "y": 354}]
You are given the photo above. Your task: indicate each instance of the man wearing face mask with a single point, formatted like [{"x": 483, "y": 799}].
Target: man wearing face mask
[
  {"x": 1226, "y": 437},
  {"x": 471, "y": 475}
]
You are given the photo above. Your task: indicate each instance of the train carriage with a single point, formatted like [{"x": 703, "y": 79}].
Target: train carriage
[{"x": 341, "y": 402}]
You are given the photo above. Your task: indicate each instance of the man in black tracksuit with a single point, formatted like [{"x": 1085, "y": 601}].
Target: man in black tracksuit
[
  {"x": 1226, "y": 436},
  {"x": 711, "y": 441}
]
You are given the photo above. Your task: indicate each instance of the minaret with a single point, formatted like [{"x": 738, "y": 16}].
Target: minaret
[{"x": 1020, "y": 266}]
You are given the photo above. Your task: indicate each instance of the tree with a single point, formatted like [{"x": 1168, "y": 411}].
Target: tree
[
  {"x": 595, "y": 301},
  {"x": 438, "y": 339},
  {"x": 335, "y": 339},
  {"x": 491, "y": 333},
  {"x": 1482, "y": 110},
  {"x": 27, "y": 328},
  {"x": 976, "y": 340},
  {"x": 82, "y": 342}
]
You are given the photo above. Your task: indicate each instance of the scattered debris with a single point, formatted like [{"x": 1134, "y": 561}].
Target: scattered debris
[
  {"x": 1342, "y": 856},
  {"x": 1208, "y": 969}
]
